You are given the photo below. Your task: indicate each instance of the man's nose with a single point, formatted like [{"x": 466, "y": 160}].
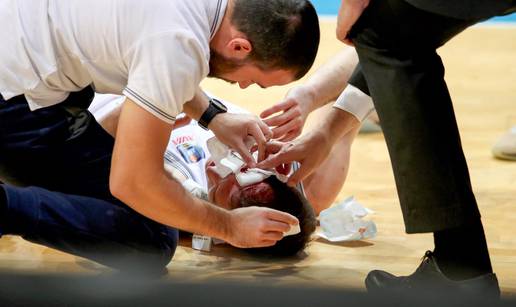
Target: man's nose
[{"x": 244, "y": 84}]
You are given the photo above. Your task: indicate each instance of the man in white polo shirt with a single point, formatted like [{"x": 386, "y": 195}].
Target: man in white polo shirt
[
  {"x": 112, "y": 234},
  {"x": 155, "y": 53},
  {"x": 107, "y": 231}
]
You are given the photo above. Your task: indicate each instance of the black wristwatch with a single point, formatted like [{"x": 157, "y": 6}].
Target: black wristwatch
[{"x": 215, "y": 107}]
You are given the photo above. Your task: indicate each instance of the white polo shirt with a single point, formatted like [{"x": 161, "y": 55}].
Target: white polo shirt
[
  {"x": 187, "y": 150},
  {"x": 155, "y": 52}
]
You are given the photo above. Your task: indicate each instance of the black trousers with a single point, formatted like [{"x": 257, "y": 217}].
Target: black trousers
[
  {"x": 401, "y": 70},
  {"x": 61, "y": 157},
  {"x": 60, "y": 148}
]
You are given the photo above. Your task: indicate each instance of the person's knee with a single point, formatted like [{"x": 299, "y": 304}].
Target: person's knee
[
  {"x": 159, "y": 256},
  {"x": 168, "y": 247}
]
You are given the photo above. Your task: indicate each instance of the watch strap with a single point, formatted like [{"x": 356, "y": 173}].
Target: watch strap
[{"x": 208, "y": 115}]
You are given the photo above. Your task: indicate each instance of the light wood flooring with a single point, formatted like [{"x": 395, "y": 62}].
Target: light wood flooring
[{"x": 481, "y": 74}]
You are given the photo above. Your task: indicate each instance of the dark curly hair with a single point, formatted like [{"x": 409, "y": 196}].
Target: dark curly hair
[{"x": 289, "y": 200}]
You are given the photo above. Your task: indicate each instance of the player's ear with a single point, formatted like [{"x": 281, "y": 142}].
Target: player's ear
[{"x": 239, "y": 48}]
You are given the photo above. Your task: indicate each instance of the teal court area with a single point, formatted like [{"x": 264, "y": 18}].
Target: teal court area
[{"x": 331, "y": 7}]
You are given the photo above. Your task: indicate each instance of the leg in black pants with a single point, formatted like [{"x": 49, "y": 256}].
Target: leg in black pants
[
  {"x": 396, "y": 44},
  {"x": 60, "y": 148},
  {"x": 108, "y": 233},
  {"x": 63, "y": 150}
]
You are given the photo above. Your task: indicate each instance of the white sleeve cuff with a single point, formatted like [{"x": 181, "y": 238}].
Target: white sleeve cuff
[{"x": 356, "y": 102}]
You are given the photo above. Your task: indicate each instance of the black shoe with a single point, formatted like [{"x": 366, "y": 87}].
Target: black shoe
[{"x": 429, "y": 280}]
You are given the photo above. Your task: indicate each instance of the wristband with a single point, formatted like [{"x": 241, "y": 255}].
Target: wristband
[{"x": 356, "y": 102}]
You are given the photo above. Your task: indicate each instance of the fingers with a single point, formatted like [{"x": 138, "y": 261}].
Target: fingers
[
  {"x": 293, "y": 125},
  {"x": 260, "y": 139},
  {"x": 283, "y": 217},
  {"x": 277, "y": 108},
  {"x": 241, "y": 148},
  {"x": 349, "y": 13},
  {"x": 344, "y": 25},
  {"x": 290, "y": 136},
  {"x": 283, "y": 118},
  {"x": 275, "y": 226},
  {"x": 271, "y": 148},
  {"x": 274, "y": 147},
  {"x": 267, "y": 243},
  {"x": 272, "y": 236},
  {"x": 266, "y": 130},
  {"x": 275, "y": 160}
]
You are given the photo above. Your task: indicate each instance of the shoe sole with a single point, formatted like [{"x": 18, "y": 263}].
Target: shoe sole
[{"x": 504, "y": 156}]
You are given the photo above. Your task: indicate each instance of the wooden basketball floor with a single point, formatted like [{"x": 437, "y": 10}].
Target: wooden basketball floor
[{"x": 481, "y": 74}]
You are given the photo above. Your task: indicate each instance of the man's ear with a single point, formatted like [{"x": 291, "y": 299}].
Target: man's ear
[{"x": 239, "y": 48}]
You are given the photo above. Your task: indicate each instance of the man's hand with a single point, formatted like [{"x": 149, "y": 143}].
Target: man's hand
[
  {"x": 258, "y": 226},
  {"x": 235, "y": 129},
  {"x": 350, "y": 11},
  {"x": 310, "y": 151},
  {"x": 312, "y": 148},
  {"x": 295, "y": 108}
]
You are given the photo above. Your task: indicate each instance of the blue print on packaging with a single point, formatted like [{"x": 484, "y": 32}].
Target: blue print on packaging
[{"x": 191, "y": 153}]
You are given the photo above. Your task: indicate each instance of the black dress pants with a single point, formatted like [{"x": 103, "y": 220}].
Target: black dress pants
[{"x": 401, "y": 70}]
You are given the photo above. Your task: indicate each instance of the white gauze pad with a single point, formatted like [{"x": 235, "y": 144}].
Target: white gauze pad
[
  {"x": 255, "y": 175},
  {"x": 252, "y": 176},
  {"x": 218, "y": 151},
  {"x": 233, "y": 162},
  {"x": 294, "y": 230},
  {"x": 227, "y": 162}
]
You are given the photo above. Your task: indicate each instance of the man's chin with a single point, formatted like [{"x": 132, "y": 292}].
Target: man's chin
[{"x": 220, "y": 77}]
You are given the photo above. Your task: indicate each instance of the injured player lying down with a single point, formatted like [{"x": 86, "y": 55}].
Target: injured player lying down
[
  {"x": 109, "y": 232},
  {"x": 187, "y": 154},
  {"x": 189, "y": 159}
]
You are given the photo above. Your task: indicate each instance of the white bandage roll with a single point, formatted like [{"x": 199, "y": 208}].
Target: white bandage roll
[{"x": 356, "y": 102}]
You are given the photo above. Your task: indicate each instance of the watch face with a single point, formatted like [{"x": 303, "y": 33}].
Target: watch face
[{"x": 219, "y": 104}]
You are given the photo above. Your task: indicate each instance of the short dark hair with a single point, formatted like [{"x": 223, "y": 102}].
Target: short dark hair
[
  {"x": 292, "y": 201},
  {"x": 284, "y": 33}
]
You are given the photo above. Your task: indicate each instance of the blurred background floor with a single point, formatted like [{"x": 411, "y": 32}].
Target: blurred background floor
[{"x": 481, "y": 75}]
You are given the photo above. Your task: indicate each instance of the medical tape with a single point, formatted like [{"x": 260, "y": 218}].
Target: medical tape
[{"x": 228, "y": 161}]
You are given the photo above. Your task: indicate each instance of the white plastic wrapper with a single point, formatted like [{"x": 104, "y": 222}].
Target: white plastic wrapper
[{"x": 344, "y": 222}]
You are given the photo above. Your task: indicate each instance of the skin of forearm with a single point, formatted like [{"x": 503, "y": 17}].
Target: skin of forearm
[
  {"x": 138, "y": 177},
  {"x": 195, "y": 107},
  {"x": 172, "y": 205},
  {"x": 326, "y": 84},
  {"x": 325, "y": 184},
  {"x": 336, "y": 124}
]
